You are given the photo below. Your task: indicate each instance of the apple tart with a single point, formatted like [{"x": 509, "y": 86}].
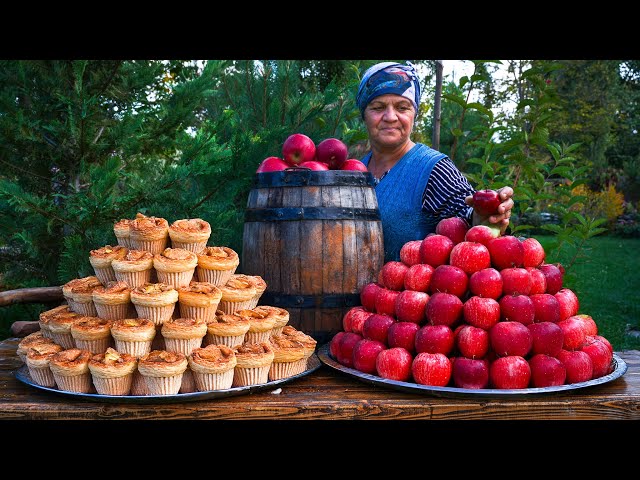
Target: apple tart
[
  {"x": 29, "y": 341},
  {"x": 60, "y": 328},
  {"x": 78, "y": 293},
  {"x": 64, "y": 312},
  {"x": 149, "y": 233},
  {"x": 212, "y": 367},
  {"x": 70, "y": 370},
  {"x": 253, "y": 363},
  {"x": 199, "y": 300},
  {"x": 280, "y": 314},
  {"x": 287, "y": 356},
  {"x": 37, "y": 360},
  {"x": 92, "y": 334},
  {"x": 175, "y": 266},
  {"x": 163, "y": 371},
  {"x": 237, "y": 294},
  {"x": 112, "y": 372},
  {"x": 183, "y": 334},
  {"x": 133, "y": 335},
  {"x": 216, "y": 265},
  {"x": 155, "y": 301},
  {"x": 260, "y": 325},
  {"x": 135, "y": 268},
  {"x": 113, "y": 301},
  {"x": 308, "y": 342},
  {"x": 226, "y": 329},
  {"x": 122, "y": 229},
  {"x": 101, "y": 260},
  {"x": 190, "y": 233},
  {"x": 258, "y": 283}
]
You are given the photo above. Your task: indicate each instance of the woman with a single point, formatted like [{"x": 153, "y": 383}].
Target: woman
[{"x": 416, "y": 186}]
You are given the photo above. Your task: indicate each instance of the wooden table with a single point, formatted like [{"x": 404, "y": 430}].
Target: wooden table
[{"x": 328, "y": 394}]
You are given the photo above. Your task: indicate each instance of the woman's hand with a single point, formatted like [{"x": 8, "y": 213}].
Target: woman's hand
[{"x": 504, "y": 210}]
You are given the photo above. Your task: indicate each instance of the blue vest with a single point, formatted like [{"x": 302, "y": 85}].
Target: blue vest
[{"x": 399, "y": 196}]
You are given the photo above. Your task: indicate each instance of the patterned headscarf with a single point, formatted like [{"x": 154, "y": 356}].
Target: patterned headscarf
[{"x": 388, "y": 77}]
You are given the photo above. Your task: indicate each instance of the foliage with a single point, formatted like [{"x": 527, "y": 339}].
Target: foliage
[{"x": 608, "y": 203}]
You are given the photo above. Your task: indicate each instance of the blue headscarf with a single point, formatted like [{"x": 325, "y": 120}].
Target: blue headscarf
[{"x": 388, "y": 77}]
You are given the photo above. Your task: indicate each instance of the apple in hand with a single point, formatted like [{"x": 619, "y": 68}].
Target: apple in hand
[
  {"x": 517, "y": 308},
  {"x": 394, "y": 364},
  {"x": 434, "y": 339},
  {"x": 333, "y": 152},
  {"x": 403, "y": 334},
  {"x": 418, "y": 277},
  {"x": 470, "y": 372},
  {"x": 365, "y": 353},
  {"x": 577, "y": 364},
  {"x": 272, "y": 164},
  {"x": 354, "y": 164},
  {"x": 482, "y": 234},
  {"x": 453, "y": 227},
  {"x": 433, "y": 369},
  {"x": 486, "y": 283},
  {"x": 486, "y": 202},
  {"x": 314, "y": 165},
  {"x": 511, "y": 372},
  {"x": 546, "y": 371},
  {"x": 298, "y": 148},
  {"x": 547, "y": 338}
]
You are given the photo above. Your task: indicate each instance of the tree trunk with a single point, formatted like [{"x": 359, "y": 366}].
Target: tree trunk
[{"x": 436, "y": 106}]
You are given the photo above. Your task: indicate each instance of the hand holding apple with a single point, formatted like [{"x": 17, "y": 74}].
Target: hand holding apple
[{"x": 502, "y": 212}]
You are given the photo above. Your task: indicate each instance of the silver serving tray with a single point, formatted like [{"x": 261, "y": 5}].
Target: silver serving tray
[
  {"x": 22, "y": 374},
  {"x": 619, "y": 368}
]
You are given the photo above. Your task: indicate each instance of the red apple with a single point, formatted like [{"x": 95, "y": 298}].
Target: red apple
[
  {"x": 470, "y": 257},
  {"x": 553, "y": 275},
  {"x": 354, "y": 164},
  {"x": 435, "y": 250},
  {"x": 333, "y": 344},
  {"x": 272, "y": 164},
  {"x": 449, "y": 279},
  {"x": 453, "y": 227},
  {"x": 481, "y": 312},
  {"x": 511, "y": 372},
  {"x": 538, "y": 281},
  {"x": 471, "y": 342},
  {"x": 506, "y": 251},
  {"x": 444, "y": 309},
  {"x": 510, "y": 338},
  {"x": 433, "y": 369},
  {"x": 410, "y": 306},
  {"x": 368, "y": 295},
  {"x": 517, "y": 308},
  {"x": 486, "y": 202},
  {"x": 601, "y": 357},
  {"x": 482, "y": 234},
  {"x": 547, "y": 338},
  {"x": 333, "y": 152},
  {"x": 533, "y": 252},
  {"x": 403, "y": 334},
  {"x": 546, "y": 371},
  {"x": 410, "y": 253},
  {"x": 394, "y": 364},
  {"x": 346, "y": 343},
  {"x": 418, "y": 277},
  {"x": 434, "y": 339},
  {"x": 569, "y": 303},
  {"x": 588, "y": 324},
  {"x": 602, "y": 339},
  {"x": 314, "y": 165},
  {"x": 547, "y": 307},
  {"x": 515, "y": 281},
  {"x": 486, "y": 283},
  {"x": 376, "y": 327},
  {"x": 354, "y": 319},
  {"x": 386, "y": 301},
  {"x": 577, "y": 364},
  {"x": 470, "y": 372},
  {"x": 365, "y": 353},
  {"x": 574, "y": 333},
  {"x": 392, "y": 274},
  {"x": 298, "y": 148}
]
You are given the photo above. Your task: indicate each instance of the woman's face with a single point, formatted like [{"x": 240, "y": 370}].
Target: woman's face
[{"x": 389, "y": 120}]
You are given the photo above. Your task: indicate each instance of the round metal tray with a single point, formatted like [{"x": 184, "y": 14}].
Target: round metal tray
[
  {"x": 313, "y": 364},
  {"x": 619, "y": 368}
]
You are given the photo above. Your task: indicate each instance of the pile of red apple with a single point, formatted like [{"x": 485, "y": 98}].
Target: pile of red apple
[
  {"x": 300, "y": 151},
  {"x": 473, "y": 309}
]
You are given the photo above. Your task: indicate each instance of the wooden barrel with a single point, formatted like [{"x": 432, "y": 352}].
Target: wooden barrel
[{"x": 315, "y": 237}]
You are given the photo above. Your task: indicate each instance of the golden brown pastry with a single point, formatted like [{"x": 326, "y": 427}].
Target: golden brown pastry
[
  {"x": 92, "y": 334},
  {"x": 258, "y": 283},
  {"x": 163, "y": 371},
  {"x": 280, "y": 315},
  {"x": 216, "y": 265},
  {"x": 237, "y": 294},
  {"x": 113, "y": 301},
  {"x": 47, "y": 315},
  {"x": 37, "y": 360},
  {"x": 121, "y": 229},
  {"x": 254, "y": 361},
  {"x": 183, "y": 334},
  {"x": 78, "y": 294},
  {"x": 70, "y": 370},
  {"x": 60, "y": 328},
  {"x": 212, "y": 367},
  {"x": 190, "y": 233},
  {"x": 287, "y": 358},
  {"x": 175, "y": 266},
  {"x": 155, "y": 301},
  {"x": 133, "y": 335},
  {"x": 308, "y": 342},
  {"x": 149, "y": 233},
  {"x": 135, "y": 268},
  {"x": 226, "y": 329},
  {"x": 260, "y": 325},
  {"x": 112, "y": 372},
  {"x": 199, "y": 300},
  {"x": 101, "y": 259},
  {"x": 29, "y": 341}
]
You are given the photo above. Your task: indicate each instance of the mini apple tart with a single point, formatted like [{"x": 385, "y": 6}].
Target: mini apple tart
[
  {"x": 226, "y": 329},
  {"x": 113, "y": 301},
  {"x": 237, "y": 294},
  {"x": 29, "y": 341},
  {"x": 287, "y": 356},
  {"x": 101, "y": 259},
  {"x": 253, "y": 363},
  {"x": 258, "y": 283},
  {"x": 47, "y": 315},
  {"x": 308, "y": 342},
  {"x": 190, "y": 233},
  {"x": 133, "y": 335},
  {"x": 216, "y": 265},
  {"x": 212, "y": 367},
  {"x": 260, "y": 325},
  {"x": 199, "y": 300},
  {"x": 183, "y": 334},
  {"x": 135, "y": 268},
  {"x": 280, "y": 315},
  {"x": 92, "y": 334},
  {"x": 149, "y": 233},
  {"x": 70, "y": 370},
  {"x": 38, "y": 357},
  {"x": 112, "y": 372},
  {"x": 78, "y": 293},
  {"x": 155, "y": 301},
  {"x": 175, "y": 266},
  {"x": 163, "y": 371}
]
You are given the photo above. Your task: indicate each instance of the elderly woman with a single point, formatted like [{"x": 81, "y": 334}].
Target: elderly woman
[{"x": 416, "y": 186}]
